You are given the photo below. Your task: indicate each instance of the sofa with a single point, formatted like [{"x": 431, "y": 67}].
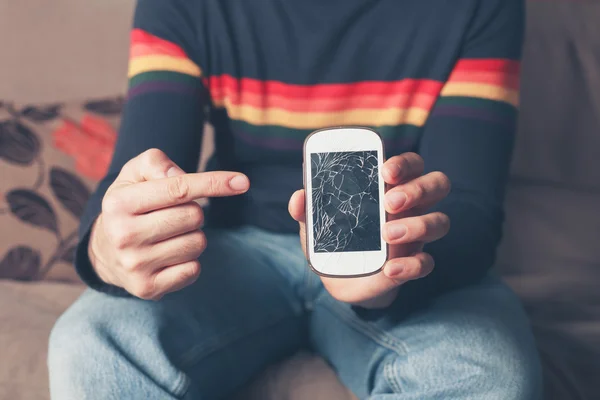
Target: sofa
[{"x": 62, "y": 78}]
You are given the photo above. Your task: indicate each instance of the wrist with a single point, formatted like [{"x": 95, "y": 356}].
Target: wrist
[{"x": 94, "y": 249}]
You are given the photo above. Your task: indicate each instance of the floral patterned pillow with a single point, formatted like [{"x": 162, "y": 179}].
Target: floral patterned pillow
[{"x": 51, "y": 157}]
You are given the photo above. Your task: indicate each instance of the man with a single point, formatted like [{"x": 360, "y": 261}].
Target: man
[{"x": 437, "y": 79}]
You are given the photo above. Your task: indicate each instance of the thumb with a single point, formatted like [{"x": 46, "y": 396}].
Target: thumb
[
  {"x": 296, "y": 206},
  {"x": 298, "y": 212}
]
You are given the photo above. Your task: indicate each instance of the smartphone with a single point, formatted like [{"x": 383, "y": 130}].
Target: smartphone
[{"x": 344, "y": 202}]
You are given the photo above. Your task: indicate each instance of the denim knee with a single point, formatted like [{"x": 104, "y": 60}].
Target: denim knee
[
  {"x": 107, "y": 348},
  {"x": 74, "y": 348},
  {"x": 477, "y": 358}
]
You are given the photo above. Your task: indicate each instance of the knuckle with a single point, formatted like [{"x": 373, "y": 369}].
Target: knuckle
[
  {"x": 419, "y": 190},
  {"x": 152, "y": 156},
  {"x": 153, "y": 163},
  {"x": 443, "y": 181},
  {"x": 404, "y": 165},
  {"x": 426, "y": 264},
  {"x": 195, "y": 215},
  {"x": 122, "y": 238},
  {"x": 198, "y": 242},
  {"x": 415, "y": 268},
  {"x": 131, "y": 164},
  {"x": 414, "y": 157},
  {"x": 416, "y": 265},
  {"x": 143, "y": 288},
  {"x": 444, "y": 222},
  {"x": 420, "y": 162},
  {"x": 212, "y": 184},
  {"x": 415, "y": 162},
  {"x": 420, "y": 228},
  {"x": 131, "y": 261},
  {"x": 112, "y": 203},
  {"x": 178, "y": 188},
  {"x": 194, "y": 245},
  {"x": 120, "y": 233},
  {"x": 190, "y": 272}
]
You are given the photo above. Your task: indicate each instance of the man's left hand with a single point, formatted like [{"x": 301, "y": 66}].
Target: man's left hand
[{"x": 408, "y": 197}]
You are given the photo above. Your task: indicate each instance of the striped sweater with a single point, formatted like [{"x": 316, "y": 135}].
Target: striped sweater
[{"x": 436, "y": 77}]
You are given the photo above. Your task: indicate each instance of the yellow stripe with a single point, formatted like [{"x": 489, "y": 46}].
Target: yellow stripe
[
  {"x": 313, "y": 120},
  {"x": 186, "y": 66},
  {"x": 490, "y": 92}
]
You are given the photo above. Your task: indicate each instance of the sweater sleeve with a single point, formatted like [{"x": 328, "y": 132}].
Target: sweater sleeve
[
  {"x": 164, "y": 107},
  {"x": 469, "y": 136}
]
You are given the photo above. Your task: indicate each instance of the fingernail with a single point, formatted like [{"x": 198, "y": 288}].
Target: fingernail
[
  {"x": 393, "y": 270},
  {"x": 174, "y": 171},
  {"x": 239, "y": 183},
  {"x": 396, "y": 200},
  {"x": 395, "y": 231}
]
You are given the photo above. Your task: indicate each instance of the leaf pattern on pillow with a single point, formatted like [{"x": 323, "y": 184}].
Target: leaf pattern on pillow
[
  {"x": 87, "y": 138},
  {"x": 18, "y": 143},
  {"x": 21, "y": 263},
  {"x": 69, "y": 190},
  {"x": 106, "y": 106},
  {"x": 32, "y": 208},
  {"x": 41, "y": 114}
]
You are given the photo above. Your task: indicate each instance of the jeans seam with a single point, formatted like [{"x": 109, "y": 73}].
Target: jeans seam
[
  {"x": 379, "y": 336},
  {"x": 182, "y": 385},
  {"x": 308, "y": 295},
  {"x": 390, "y": 373}
]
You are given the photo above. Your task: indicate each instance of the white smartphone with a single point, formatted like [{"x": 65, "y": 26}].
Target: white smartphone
[{"x": 345, "y": 213}]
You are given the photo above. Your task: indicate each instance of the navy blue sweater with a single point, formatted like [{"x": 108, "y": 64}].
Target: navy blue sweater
[{"x": 436, "y": 77}]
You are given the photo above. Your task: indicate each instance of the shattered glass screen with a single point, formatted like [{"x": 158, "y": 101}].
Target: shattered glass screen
[{"x": 345, "y": 197}]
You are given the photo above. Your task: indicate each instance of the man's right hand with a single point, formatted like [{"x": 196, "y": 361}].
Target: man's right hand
[{"x": 147, "y": 238}]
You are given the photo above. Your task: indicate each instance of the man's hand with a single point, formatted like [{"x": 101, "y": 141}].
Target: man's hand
[
  {"x": 410, "y": 194},
  {"x": 147, "y": 239}
]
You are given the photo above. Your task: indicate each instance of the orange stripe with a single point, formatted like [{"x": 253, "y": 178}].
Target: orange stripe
[
  {"x": 482, "y": 91},
  {"x": 140, "y": 65},
  {"x": 228, "y": 84},
  {"x": 144, "y": 44},
  {"x": 313, "y": 120},
  {"x": 509, "y": 81}
]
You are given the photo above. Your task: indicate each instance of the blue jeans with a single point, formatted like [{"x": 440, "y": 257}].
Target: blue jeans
[{"x": 255, "y": 303}]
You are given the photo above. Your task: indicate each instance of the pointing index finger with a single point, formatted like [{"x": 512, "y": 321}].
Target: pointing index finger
[{"x": 153, "y": 195}]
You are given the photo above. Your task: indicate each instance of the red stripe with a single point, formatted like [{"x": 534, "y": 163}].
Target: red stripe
[
  {"x": 357, "y": 101},
  {"x": 162, "y": 46},
  {"x": 488, "y": 65},
  {"x": 225, "y": 84}
]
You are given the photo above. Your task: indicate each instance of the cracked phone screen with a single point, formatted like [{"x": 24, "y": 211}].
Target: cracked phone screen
[{"x": 345, "y": 197}]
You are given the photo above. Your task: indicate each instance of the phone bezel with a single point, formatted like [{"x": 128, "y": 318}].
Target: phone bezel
[{"x": 371, "y": 142}]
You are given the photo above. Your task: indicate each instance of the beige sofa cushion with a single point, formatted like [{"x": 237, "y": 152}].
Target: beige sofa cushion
[{"x": 27, "y": 313}]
